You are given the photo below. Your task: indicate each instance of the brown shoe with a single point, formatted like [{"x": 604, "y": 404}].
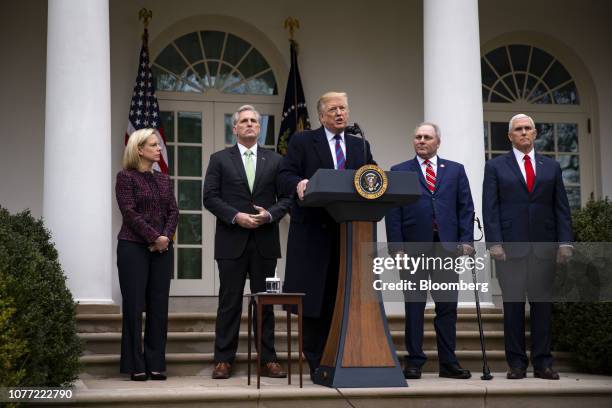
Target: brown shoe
[
  {"x": 273, "y": 370},
  {"x": 222, "y": 371}
]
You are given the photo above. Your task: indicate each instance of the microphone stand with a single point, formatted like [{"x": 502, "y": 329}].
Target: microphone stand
[{"x": 356, "y": 130}]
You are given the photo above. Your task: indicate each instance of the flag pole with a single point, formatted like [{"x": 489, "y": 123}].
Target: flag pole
[{"x": 291, "y": 24}]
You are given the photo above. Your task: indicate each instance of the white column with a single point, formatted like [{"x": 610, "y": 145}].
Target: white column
[
  {"x": 452, "y": 86},
  {"x": 77, "y": 184}
]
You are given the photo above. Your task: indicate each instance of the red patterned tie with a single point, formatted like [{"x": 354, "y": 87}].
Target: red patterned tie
[
  {"x": 529, "y": 174},
  {"x": 430, "y": 176}
]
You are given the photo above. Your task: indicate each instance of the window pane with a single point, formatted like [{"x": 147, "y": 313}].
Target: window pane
[
  {"x": 189, "y": 263},
  {"x": 486, "y": 135},
  {"x": 499, "y": 136},
  {"x": 502, "y": 94},
  {"x": 253, "y": 64},
  {"x": 170, "y": 159},
  {"x": 566, "y": 95},
  {"x": 570, "y": 167},
  {"x": 170, "y": 59},
  {"x": 540, "y": 95},
  {"x": 266, "y": 137},
  {"x": 264, "y": 84},
  {"x": 213, "y": 67},
  {"x": 163, "y": 80},
  {"x": 167, "y": 119},
  {"x": 520, "y": 80},
  {"x": 201, "y": 70},
  {"x": 189, "y": 44},
  {"x": 190, "y": 127},
  {"x": 540, "y": 60},
  {"x": 488, "y": 76},
  {"x": 519, "y": 54},
  {"x": 485, "y": 94},
  {"x": 235, "y": 49},
  {"x": 190, "y": 229},
  {"x": 499, "y": 60},
  {"x": 227, "y": 77},
  {"x": 190, "y": 161},
  {"x": 190, "y": 194},
  {"x": 213, "y": 43},
  {"x": 544, "y": 140},
  {"x": 556, "y": 75},
  {"x": 567, "y": 137},
  {"x": 573, "y": 196}
]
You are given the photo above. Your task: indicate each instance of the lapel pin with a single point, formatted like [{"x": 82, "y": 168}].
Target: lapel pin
[{"x": 442, "y": 165}]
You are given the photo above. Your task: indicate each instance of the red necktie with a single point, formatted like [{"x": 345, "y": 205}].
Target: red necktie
[
  {"x": 430, "y": 176},
  {"x": 529, "y": 174}
]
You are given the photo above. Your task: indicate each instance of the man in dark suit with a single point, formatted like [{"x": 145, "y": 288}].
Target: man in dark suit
[
  {"x": 313, "y": 245},
  {"x": 439, "y": 224},
  {"x": 527, "y": 222},
  {"x": 241, "y": 189}
]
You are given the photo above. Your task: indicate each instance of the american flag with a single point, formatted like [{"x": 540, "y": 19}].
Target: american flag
[{"x": 144, "y": 110}]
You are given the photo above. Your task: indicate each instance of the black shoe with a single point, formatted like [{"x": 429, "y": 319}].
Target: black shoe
[
  {"x": 412, "y": 373},
  {"x": 139, "y": 377},
  {"x": 516, "y": 373},
  {"x": 454, "y": 371},
  {"x": 546, "y": 373},
  {"x": 157, "y": 376}
]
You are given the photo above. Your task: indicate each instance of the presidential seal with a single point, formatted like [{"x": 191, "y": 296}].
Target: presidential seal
[{"x": 370, "y": 181}]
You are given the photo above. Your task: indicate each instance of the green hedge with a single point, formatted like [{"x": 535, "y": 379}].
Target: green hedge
[
  {"x": 585, "y": 329},
  {"x": 39, "y": 345}
]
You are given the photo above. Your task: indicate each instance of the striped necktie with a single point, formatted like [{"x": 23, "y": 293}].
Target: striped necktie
[
  {"x": 430, "y": 176},
  {"x": 340, "y": 160}
]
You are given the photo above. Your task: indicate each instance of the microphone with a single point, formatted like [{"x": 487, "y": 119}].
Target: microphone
[{"x": 356, "y": 130}]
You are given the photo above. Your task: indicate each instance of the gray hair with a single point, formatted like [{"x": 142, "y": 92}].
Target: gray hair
[
  {"x": 520, "y": 116},
  {"x": 433, "y": 125},
  {"x": 245, "y": 108}
]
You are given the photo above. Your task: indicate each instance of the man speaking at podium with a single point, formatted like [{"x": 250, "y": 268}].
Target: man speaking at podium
[
  {"x": 313, "y": 246},
  {"x": 439, "y": 224}
]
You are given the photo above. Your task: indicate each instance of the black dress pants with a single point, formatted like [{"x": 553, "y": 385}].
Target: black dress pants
[
  {"x": 144, "y": 278},
  {"x": 232, "y": 278}
]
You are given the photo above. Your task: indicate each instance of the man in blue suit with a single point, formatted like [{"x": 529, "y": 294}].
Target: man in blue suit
[
  {"x": 440, "y": 223},
  {"x": 527, "y": 223}
]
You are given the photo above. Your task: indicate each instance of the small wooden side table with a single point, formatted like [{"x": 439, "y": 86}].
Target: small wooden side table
[{"x": 285, "y": 299}]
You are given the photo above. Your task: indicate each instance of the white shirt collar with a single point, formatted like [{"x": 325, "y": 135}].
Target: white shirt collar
[
  {"x": 520, "y": 155},
  {"x": 243, "y": 149},
  {"x": 433, "y": 160},
  {"x": 330, "y": 135}
]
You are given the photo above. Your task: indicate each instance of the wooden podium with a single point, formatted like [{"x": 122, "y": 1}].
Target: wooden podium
[{"x": 359, "y": 351}]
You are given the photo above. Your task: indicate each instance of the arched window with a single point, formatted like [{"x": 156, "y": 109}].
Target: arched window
[
  {"x": 204, "y": 60},
  {"x": 521, "y": 72},
  {"x": 523, "y": 78}
]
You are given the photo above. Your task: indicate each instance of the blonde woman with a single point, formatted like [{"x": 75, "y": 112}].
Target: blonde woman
[{"x": 144, "y": 255}]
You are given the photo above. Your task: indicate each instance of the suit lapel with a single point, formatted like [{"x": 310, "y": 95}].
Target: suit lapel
[
  {"x": 441, "y": 171},
  {"x": 511, "y": 162},
  {"x": 260, "y": 167},
  {"x": 237, "y": 160},
  {"x": 415, "y": 166},
  {"x": 539, "y": 173},
  {"x": 321, "y": 146}
]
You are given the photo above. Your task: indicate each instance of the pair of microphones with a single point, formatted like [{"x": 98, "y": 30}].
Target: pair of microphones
[{"x": 355, "y": 130}]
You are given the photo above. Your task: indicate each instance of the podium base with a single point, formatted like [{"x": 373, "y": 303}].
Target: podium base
[{"x": 360, "y": 377}]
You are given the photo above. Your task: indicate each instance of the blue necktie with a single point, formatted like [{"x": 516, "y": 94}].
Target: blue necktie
[{"x": 340, "y": 160}]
